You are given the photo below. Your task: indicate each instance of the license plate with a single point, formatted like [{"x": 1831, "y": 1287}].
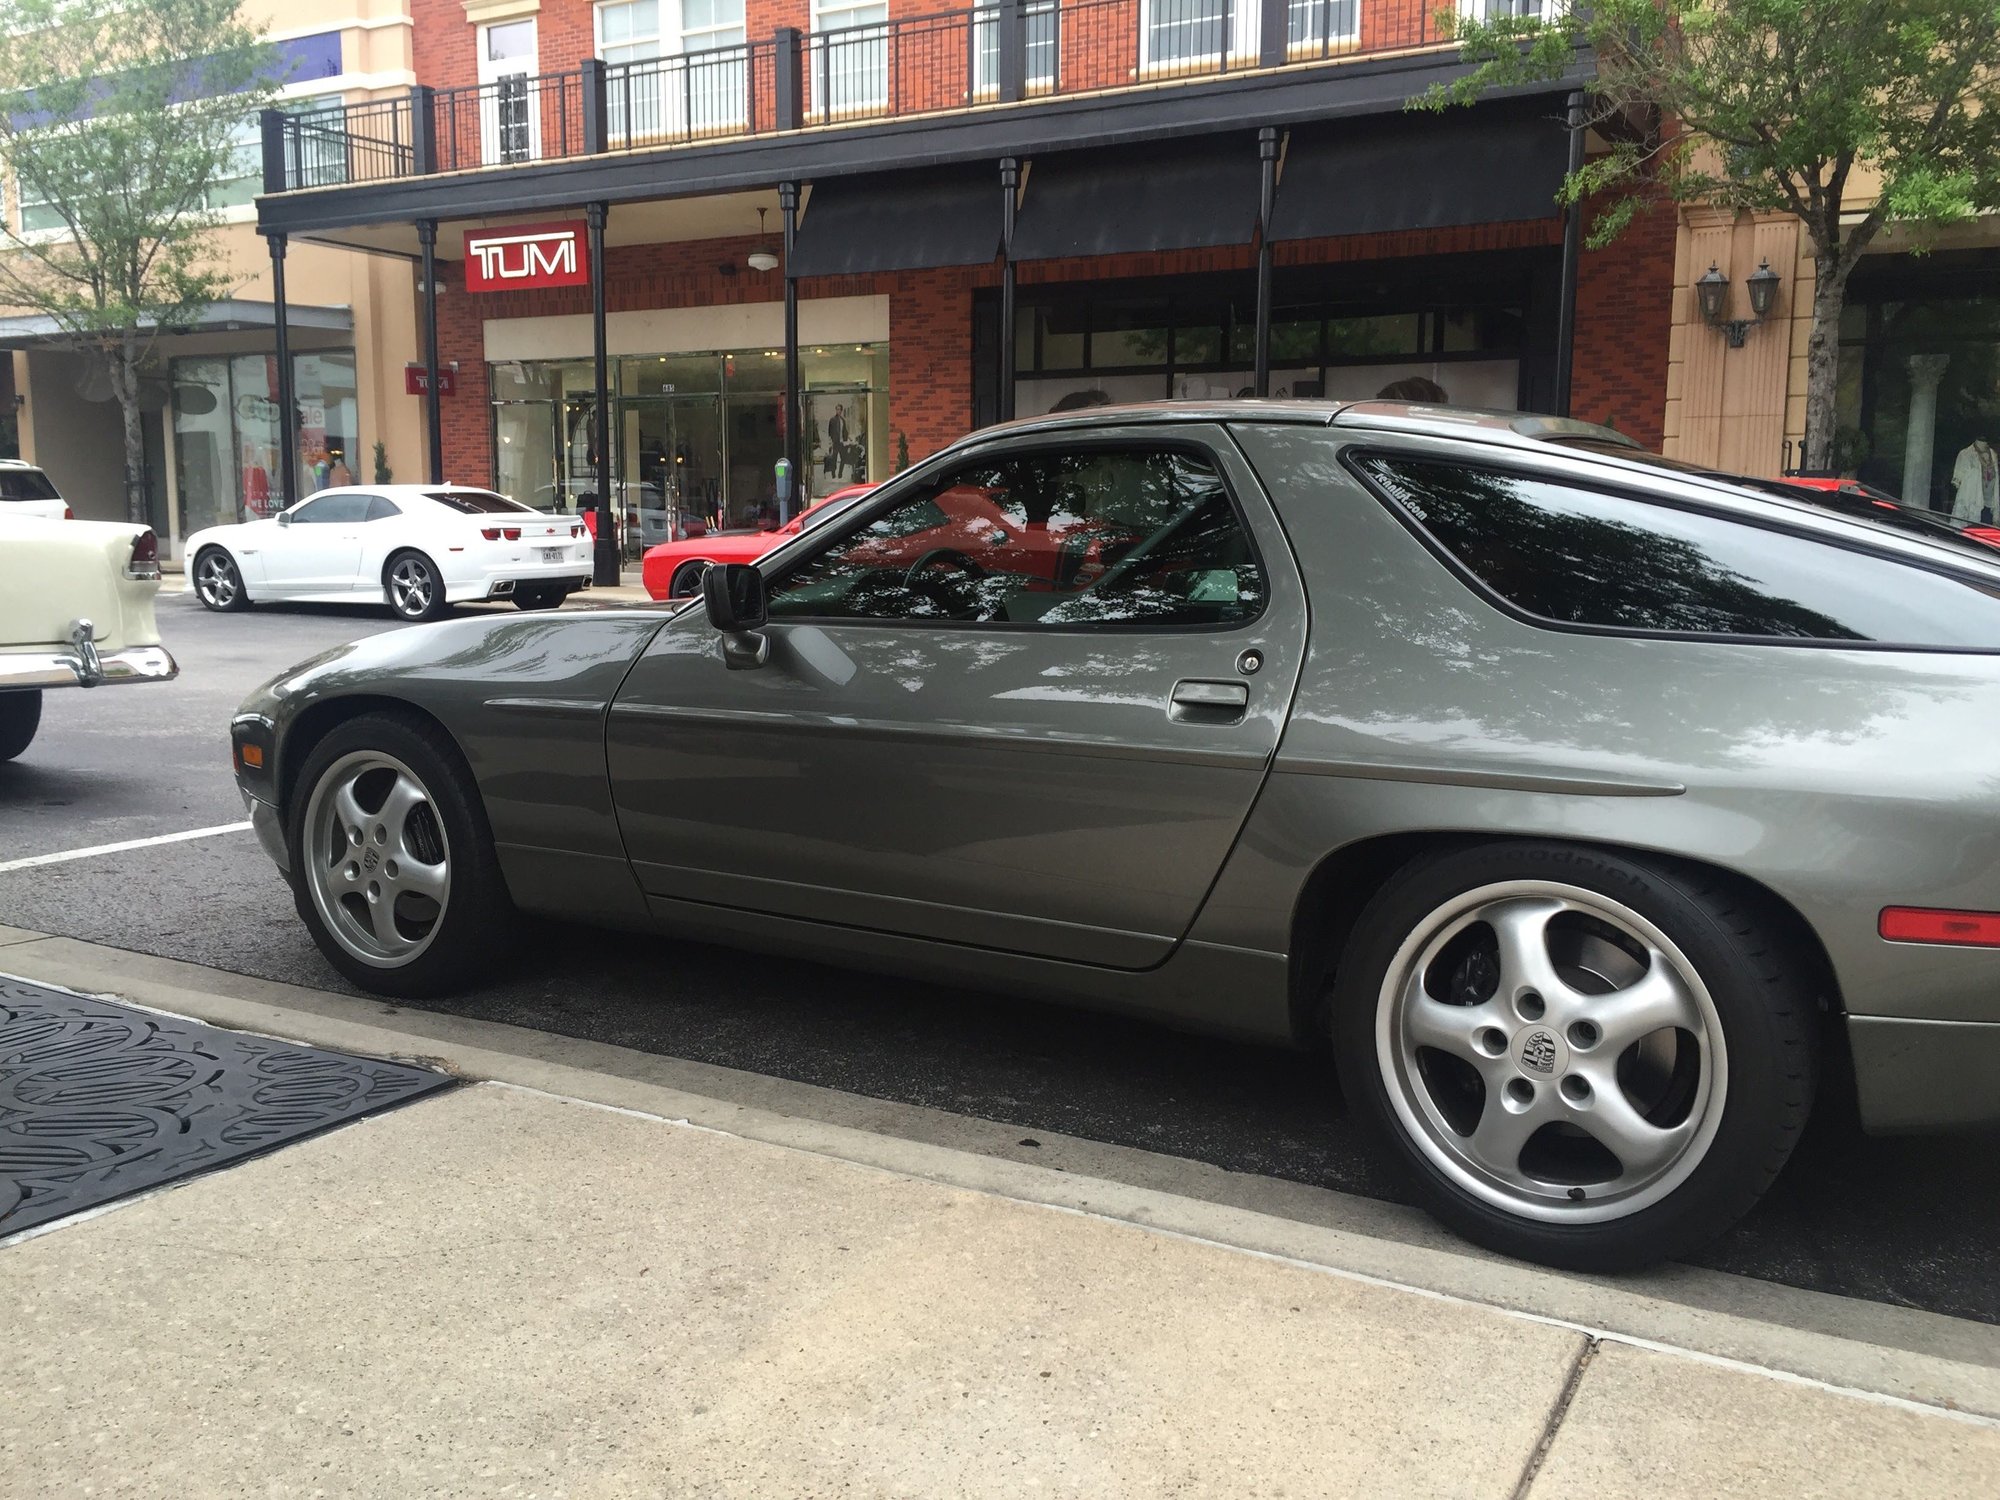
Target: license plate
[{"x": 553, "y": 554}]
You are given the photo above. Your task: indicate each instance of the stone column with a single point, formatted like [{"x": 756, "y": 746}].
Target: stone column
[{"x": 1920, "y": 438}]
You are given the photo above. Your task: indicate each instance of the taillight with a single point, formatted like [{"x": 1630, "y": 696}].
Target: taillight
[
  {"x": 1922, "y": 924},
  {"x": 491, "y": 533},
  {"x": 144, "y": 564},
  {"x": 1987, "y": 534},
  {"x": 68, "y": 514},
  {"x": 512, "y": 533},
  {"x": 576, "y": 531}
]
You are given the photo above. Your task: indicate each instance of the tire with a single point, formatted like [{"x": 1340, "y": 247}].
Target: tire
[
  {"x": 1656, "y": 1018},
  {"x": 686, "y": 582},
  {"x": 540, "y": 596},
  {"x": 20, "y": 717},
  {"x": 446, "y": 920},
  {"x": 413, "y": 588},
  {"x": 218, "y": 582}
]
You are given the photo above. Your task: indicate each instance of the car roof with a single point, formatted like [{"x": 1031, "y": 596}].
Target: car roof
[
  {"x": 1574, "y": 444},
  {"x": 18, "y": 463},
  {"x": 403, "y": 491}
]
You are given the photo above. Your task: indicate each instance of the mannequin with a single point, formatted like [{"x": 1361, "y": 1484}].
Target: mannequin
[{"x": 1975, "y": 483}]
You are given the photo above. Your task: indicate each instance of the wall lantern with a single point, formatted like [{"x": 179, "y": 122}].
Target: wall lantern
[{"x": 1712, "y": 288}]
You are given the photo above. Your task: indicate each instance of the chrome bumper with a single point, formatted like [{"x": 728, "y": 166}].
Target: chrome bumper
[
  {"x": 1925, "y": 1076},
  {"x": 83, "y": 665}
]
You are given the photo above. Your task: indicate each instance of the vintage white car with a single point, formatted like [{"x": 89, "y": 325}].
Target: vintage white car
[{"x": 76, "y": 610}]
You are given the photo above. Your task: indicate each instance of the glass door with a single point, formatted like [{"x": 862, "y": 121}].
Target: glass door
[
  {"x": 670, "y": 468},
  {"x": 525, "y": 452}
]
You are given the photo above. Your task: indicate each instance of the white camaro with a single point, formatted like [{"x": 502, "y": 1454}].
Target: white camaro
[{"x": 418, "y": 547}]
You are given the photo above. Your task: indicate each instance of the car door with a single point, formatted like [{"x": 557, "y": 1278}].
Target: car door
[
  {"x": 319, "y": 550},
  {"x": 1040, "y": 735}
]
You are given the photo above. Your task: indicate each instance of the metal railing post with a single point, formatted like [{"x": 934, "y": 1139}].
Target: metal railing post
[
  {"x": 271, "y": 125},
  {"x": 1011, "y": 43},
  {"x": 423, "y": 130},
  {"x": 788, "y": 64},
  {"x": 596, "y": 122},
  {"x": 1274, "y": 25}
]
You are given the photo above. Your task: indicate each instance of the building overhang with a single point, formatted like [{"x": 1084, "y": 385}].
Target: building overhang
[
  {"x": 380, "y": 215},
  {"x": 230, "y": 315}
]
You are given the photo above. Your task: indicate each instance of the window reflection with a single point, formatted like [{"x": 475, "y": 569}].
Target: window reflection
[{"x": 1106, "y": 537}]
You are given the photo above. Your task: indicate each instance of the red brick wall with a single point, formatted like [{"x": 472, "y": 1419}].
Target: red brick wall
[{"x": 1624, "y": 318}]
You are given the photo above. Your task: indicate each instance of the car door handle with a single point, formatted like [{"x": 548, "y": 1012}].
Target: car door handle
[{"x": 1196, "y": 702}]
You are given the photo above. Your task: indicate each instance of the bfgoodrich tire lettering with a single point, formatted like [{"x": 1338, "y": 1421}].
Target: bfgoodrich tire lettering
[
  {"x": 1585, "y": 1058},
  {"x": 394, "y": 871}
]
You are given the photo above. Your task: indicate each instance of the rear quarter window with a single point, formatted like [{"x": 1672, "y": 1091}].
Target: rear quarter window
[
  {"x": 26, "y": 484},
  {"x": 1572, "y": 556}
]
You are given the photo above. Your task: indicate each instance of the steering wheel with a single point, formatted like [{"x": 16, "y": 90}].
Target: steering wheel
[{"x": 942, "y": 555}]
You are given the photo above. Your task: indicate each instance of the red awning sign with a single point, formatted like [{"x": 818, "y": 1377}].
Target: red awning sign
[
  {"x": 520, "y": 257},
  {"x": 413, "y": 379}
]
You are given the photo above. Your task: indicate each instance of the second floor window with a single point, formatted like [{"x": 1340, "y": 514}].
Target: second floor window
[
  {"x": 508, "y": 128},
  {"x": 850, "y": 61}
]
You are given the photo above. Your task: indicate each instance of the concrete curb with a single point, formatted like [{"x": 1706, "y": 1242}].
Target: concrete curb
[{"x": 1937, "y": 1363}]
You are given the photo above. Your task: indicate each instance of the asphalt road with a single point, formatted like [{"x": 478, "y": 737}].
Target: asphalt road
[{"x": 1912, "y": 1222}]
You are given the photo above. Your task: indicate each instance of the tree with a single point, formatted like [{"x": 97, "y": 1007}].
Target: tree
[
  {"x": 1786, "y": 106},
  {"x": 116, "y": 116}
]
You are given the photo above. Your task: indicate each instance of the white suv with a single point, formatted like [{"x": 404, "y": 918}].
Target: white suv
[{"x": 25, "y": 491}]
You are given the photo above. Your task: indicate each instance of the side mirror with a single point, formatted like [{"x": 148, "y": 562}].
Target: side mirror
[
  {"x": 733, "y": 596},
  {"x": 284, "y": 518}
]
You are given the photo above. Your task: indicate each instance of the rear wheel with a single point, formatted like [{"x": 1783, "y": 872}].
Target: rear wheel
[
  {"x": 1585, "y": 1059},
  {"x": 393, "y": 863},
  {"x": 539, "y": 596},
  {"x": 218, "y": 583},
  {"x": 414, "y": 588},
  {"x": 687, "y": 579},
  {"x": 20, "y": 717}
]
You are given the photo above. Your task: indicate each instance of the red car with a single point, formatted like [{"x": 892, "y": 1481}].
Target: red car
[
  {"x": 1860, "y": 499},
  {"x": 673, "y": 570}
]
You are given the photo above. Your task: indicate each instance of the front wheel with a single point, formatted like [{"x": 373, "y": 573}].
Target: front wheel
[
  {"x": 1586, "y": 1059},
  {"x": 393, "y": 864},
  {"x": 414, "y": 589},
  {"x": 539, "y": 596},
  {"x": 218, "y": 582},
  {"x": 687, "y": 580},
  {"x": 20, "y": 717}
]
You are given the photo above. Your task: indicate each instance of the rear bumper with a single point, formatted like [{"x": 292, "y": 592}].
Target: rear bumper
[
  {"x": 83, "y": 665},
  {"x": 502, "y": 582},
  {"x": 1921, "y": 1076}
]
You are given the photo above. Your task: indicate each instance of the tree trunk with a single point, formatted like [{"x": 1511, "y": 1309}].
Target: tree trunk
[
  {"x": 124, "y": 363},
  {"x": 1823, "y": 359}
]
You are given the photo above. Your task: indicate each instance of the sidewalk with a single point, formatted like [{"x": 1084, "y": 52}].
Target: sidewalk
[{"x": 498, "y": 1290}]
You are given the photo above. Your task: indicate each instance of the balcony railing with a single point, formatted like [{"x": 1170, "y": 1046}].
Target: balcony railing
[{"x": 996, "y": 52}]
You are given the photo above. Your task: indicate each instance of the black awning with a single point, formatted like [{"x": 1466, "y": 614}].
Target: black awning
[
  {"x": 1185, "y": 194},
  {"x": 1484, "y": 165},
  {"x": 902, "y": 221}
]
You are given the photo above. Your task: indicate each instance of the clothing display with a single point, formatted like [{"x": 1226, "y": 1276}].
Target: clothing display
[{"x": 1975, "y": 483}]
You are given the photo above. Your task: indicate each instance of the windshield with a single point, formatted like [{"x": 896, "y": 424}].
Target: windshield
[
  {"x": 26, "y": 484},
  {"x": 475, "y": 502}
]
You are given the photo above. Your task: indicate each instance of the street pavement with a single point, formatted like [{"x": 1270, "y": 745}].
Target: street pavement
[
  {"x": 578, "y": 1277},
  {"x": 1903, "y": 1222}
]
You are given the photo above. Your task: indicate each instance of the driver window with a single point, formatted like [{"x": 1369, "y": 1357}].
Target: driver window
[{"x": 1111, "y": 536}]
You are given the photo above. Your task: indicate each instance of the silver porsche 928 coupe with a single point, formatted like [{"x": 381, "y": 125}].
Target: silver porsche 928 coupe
[{"x": 1577, "y": 801}]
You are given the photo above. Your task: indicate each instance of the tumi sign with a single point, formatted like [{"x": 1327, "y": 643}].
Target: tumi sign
[
  {"x": 414, "y": 379},
  {"x": 520, "y": 257}
]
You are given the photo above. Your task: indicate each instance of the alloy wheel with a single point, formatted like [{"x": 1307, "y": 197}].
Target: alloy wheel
[
  {"x": 1552, "y": 1052},
  {"x": 375, "y": 858},
  {"x": 215, "y": 581},
  {"x": 412, "y": 587}
]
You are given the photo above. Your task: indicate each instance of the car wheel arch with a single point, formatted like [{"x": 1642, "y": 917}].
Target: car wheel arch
[
  {"x": 234, "y": 562},
  {"x": 1333, "y": 896},
  {"x": 317, "y": 720},
  {"x": 406, "y": 550}
]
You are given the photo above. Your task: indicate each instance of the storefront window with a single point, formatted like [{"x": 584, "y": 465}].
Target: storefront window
[
  {"x": 227, "y": 432},
  {"x": 1919, "y": 397}
]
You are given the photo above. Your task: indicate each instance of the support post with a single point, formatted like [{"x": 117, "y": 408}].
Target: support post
[
  {"x": 271, "y": 128},
  {"x": 1267, "y": 198},
  {"x": 1572, "y": 254},
  {"x": 788, "y": 506},
  {"x": 1011, "y": 50},
  {"x": 605, "y": 572},
  {"x": 1010, "y": 186},
  {"x": 789, "y": 73},
  {"x": 1274, "y": 25},
  {"x": 427, "y": 237},
  {"x": 423, "y": 130},
  {"x": 596, "y": 111},
  {"x": 288, "y": 405}
]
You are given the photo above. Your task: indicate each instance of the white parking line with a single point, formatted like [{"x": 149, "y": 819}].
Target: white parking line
[{"x": 164, "y": 838}]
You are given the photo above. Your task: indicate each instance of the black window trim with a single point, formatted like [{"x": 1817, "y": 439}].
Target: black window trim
[
  {"x": 902, "y": 487},
  {"x": 1354, "y": 458}
]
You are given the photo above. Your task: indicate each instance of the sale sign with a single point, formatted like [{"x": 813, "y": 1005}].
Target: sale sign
[{"x": 521, "y": 257}]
